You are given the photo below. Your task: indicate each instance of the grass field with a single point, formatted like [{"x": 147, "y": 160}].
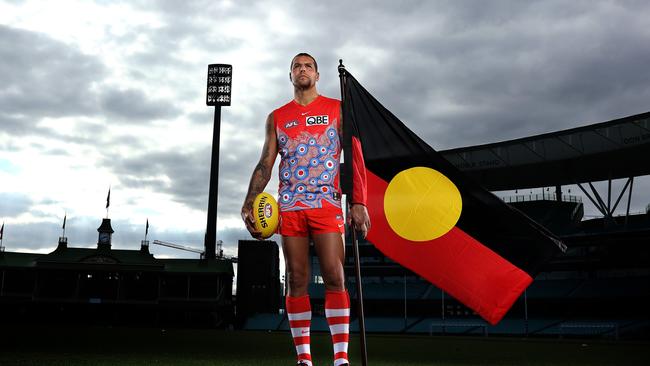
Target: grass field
[{"x": 178, "y": 347}]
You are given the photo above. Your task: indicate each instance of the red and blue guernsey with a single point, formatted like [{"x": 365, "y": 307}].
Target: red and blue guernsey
[{"x": 310, "y": 150}]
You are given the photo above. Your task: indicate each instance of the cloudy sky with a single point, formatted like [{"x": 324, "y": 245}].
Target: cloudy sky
[{"x": 112, "y": 93}]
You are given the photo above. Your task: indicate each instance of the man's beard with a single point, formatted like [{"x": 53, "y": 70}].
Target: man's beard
[{"x": 303, "y": 83}]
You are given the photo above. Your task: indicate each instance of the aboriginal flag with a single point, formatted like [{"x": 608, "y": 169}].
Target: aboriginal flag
[{"x": 430, "y": 218}]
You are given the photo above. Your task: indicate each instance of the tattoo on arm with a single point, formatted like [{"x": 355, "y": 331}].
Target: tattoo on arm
[
  {"x": 262, "y": 172},
  {"x": 259, "y": 179}
]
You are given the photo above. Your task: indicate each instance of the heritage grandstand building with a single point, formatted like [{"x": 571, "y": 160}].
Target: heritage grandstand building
[
  {"x": 600, "y": 286},
  {"x": 113, "y": 286}
]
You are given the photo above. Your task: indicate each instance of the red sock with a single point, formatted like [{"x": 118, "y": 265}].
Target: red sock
[
  {"x": 337, "y": 311},
  {"x": 299, "y": 313}
]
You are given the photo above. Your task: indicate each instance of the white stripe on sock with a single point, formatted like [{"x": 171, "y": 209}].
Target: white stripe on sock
[
  {"x": 300, "y": 316},
  {"x": 341, "y": 347},
  {"x": 300, "y": 332},
  {"x": 339, "y": 329},
  {"x": 303, "y": 348},
  {"x": 340, "y": 361},
  {"x": 337, "y": 312}
]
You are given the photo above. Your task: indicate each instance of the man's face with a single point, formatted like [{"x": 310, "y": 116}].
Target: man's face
[{"x": 303, "y": 72}]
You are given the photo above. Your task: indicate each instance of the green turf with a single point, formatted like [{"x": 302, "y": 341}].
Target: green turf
[{"x": 139, "y": 347}]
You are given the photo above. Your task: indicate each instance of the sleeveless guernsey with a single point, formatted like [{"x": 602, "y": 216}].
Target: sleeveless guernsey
[{"x": 309, "y": 147}]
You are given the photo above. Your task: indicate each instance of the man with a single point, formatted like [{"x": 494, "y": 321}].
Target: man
[{"x": 306, "y": 132}]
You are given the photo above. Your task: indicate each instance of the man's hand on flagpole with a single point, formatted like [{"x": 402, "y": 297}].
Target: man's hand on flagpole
[{"x": 359, "y": 218}]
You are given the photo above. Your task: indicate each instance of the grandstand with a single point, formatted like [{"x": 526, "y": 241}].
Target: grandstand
[
  {"x": 109, "y": 286},
  {"x": 599, "y": 287}
]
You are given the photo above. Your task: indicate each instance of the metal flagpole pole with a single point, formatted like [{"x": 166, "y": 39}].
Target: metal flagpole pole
[
  {"x": 525, "y": 313},
  {"x": 405, "y": 306},
  {"x": 442, "y": 313},
  {"x": 347, "y": 145},
  {"x": 108, "y": 200}
]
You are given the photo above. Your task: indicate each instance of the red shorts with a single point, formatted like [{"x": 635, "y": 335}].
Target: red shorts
[{"x": 328, "y": 219}]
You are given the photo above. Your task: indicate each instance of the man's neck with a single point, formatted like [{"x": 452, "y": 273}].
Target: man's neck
[{"x": 304, "y": 97}]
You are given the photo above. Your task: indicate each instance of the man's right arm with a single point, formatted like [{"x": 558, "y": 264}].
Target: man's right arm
[{"x": 261, "y": 175}]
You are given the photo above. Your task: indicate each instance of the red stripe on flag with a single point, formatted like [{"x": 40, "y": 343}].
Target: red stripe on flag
[{"x": 455, "y": 262}]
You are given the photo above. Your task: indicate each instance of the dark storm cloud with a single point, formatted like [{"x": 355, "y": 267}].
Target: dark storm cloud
[
  {"x": 184, "y": 175},
  {"x": 56, "y": 151},
  {"x": 14, "y": 204},
  {"x": 236, "y": 166},
  {"x": 201, "y": 118},
  {"x": 457, "y": 73},
  {"x": 16, "y": 125},
  {"x": 467, "y": 73},
  {"x": 184, "y": 27},
  {"x": 32, "y": 237},
  {"x": 462, "y": 74},
  {"x": 132, "y": 105},
  {"x": 40, "y": 76}
]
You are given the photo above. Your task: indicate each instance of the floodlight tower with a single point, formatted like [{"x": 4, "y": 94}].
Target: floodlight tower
[{"x": 218, "y": 95}]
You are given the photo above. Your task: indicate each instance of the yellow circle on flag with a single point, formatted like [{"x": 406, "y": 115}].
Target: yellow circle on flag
[{"x": 422, "y": 204}]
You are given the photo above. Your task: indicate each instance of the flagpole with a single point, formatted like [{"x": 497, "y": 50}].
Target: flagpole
[
  {"x": 108, "y": 200},
  {"x": 347, "y": 146}
]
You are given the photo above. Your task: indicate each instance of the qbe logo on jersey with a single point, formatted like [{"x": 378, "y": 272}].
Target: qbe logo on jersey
[{"x": 318, "y": 120}]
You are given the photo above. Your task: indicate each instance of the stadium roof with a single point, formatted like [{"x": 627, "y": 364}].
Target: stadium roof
[
  {"x": 111, "y": 259},
  {"x": 615, "y": 149}
]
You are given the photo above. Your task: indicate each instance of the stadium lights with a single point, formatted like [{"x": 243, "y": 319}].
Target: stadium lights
[
  {"x": 219, "y": 85},
  {"x": 218, "y": 94}
]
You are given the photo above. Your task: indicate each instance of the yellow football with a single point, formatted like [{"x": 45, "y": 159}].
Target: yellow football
[{"x": 267, "y": 215}]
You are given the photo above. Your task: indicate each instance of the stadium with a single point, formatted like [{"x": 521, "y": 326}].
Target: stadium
[{"x": 598, "y": 290}]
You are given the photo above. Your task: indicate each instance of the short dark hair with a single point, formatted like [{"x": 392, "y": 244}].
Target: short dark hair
[{"x": 304, "y": 54}]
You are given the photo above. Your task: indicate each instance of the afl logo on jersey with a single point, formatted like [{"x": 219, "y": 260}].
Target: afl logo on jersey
[
  {"x": 291, "y": 124},
  {"x": 317, "y": 120}
]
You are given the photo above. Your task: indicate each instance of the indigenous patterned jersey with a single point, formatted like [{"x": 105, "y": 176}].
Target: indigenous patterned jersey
[{"x": 309, "y": 146}]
